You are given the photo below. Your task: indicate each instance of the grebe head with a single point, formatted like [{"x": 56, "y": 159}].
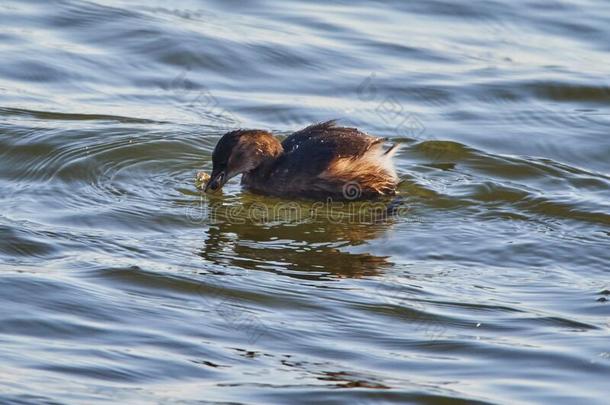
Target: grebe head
[{"x": 240, "y": 152}]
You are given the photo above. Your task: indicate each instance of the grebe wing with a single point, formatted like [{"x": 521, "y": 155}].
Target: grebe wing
[
  {"x": 305, "y": 134},
  {"x": 311, "y": 150},
  {"x": 348, "y": 140}
]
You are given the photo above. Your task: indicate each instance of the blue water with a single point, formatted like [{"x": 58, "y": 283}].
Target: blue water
[{"x": 121, "y": 282}]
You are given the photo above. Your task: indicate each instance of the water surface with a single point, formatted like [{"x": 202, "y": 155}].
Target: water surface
[{"x": 121, "y": 282}]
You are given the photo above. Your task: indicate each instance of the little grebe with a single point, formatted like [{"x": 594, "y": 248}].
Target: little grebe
[{"x": 321, "y": 161}]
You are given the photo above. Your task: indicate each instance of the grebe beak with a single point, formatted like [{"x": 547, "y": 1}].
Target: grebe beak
[{"x": 216, "y": 181}]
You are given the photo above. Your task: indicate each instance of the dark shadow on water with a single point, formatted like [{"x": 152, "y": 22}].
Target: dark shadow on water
[{"x": 309, "y": 240}]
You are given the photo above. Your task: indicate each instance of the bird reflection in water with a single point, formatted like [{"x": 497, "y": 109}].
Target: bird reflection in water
[{"x": 304, "y": 239}]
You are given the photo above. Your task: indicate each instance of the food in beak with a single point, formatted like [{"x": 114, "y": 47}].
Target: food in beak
[
  {"x": 215, "y": 182},
  {"x": 201, "y": 180}
]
